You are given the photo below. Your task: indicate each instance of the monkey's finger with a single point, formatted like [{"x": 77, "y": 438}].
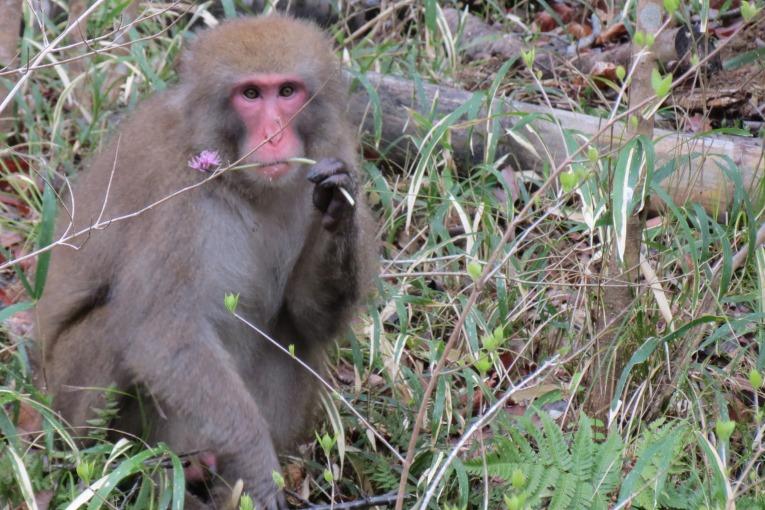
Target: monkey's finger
[
  {"x": 321, "y": 198},
  {"x": 343, "y": 180},
  {"x": 325, "y": 168}
]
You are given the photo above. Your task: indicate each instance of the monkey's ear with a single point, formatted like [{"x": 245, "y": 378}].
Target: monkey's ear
[{"x": 185, "y": 58}]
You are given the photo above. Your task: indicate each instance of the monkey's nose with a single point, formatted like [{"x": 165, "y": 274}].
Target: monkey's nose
[{"x": 274, "y": 135}]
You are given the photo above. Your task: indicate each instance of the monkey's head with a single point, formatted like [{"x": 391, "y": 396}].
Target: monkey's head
[{"x": 269, "y": 85}]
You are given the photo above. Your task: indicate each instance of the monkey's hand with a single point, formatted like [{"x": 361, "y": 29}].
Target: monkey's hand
[{"x": 330, "y": 175}]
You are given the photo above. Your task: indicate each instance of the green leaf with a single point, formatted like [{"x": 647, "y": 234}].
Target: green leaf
[
  {"x": 755, "y": 379},
  {"x": 626, "y": 176},
  {"x": 179, "y": 483},
  {"x": 231, "y": 301},
  {"x": 23, "y": 479},
  {"x": 428, "y": 146},
  {"x": 278, "y": 479},
  {"x": 474, "y": 269},
  {"x": 655, "y": 79},
  {"x": 749, "y": 10},
  {"x": 724, "y": 429},
  {"x": 555, "y": 443},
  {"x": 518, "y": 479},
  {"x": 44, "y": 238},
  {"x": 9, "y": 311},
  {"x": 721, "y": 486},
  {"x": 246, "y": 502},
  {"x": 463, "y": 484},
  {"x": 483, "y": 364},
  {"x": 744, "y": 58},
  {"x": 582, "y": 451},
  {"x": 607, "y": 470},
  {"x": 126, "y": 468},
  {"x": 430, "y": 16},
  {"x": 564, "y": 492},
  {"x": 568, "y": 180},
  {"x": 229, "y": 9},
  {"x": 528, "y": 56},
  {"x": 664, "y": 446},
  {"x": 671, "y": 6},
  {"x": 661, "y": 85},
  {"x": 645, "y": 350}
]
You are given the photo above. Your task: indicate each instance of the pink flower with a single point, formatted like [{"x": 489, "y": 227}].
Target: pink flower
[{"x": 205, "y": 161}]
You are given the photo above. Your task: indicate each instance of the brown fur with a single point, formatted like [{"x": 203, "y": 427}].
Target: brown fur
[{"x": 140, "y": 304}]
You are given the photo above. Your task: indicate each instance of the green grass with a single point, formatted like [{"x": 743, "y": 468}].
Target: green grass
[{"x": 439, "y": 225}]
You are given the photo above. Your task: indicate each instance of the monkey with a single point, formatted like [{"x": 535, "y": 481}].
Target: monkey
[{"x": 138, "y": 305}]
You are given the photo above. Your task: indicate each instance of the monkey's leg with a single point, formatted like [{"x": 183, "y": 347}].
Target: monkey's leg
[
  {"x": 193, "y": 375},
  {"x": 78, "y": 375}
]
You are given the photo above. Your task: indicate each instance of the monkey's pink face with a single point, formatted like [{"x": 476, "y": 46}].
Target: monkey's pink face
[{"x": 268, "y": 105}]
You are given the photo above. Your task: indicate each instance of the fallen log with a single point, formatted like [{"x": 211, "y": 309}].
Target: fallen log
[{"x": 699, "y": 175}]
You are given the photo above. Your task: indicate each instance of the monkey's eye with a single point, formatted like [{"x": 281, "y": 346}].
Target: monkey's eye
[
  {"x": 286, "y": 90},
  {"x": 251, "y": 93}
]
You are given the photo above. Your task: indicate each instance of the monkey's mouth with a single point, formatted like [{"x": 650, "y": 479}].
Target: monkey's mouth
[{"x": 274, "y": 170}]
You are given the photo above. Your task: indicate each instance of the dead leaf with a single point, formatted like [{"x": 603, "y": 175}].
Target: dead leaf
[
  {"x": 611, "y": 34},
  {"x": 697, "y": 123},
  {"x": 8, "y": 239},
  {"x": 545, "y": 22},
  {"x": 20, "y": 324},
  {"x": 22, "y": 208},
  {"x": 605, "y": 70},
  {"x": 344, "y": 373},
  {"x": 563, "y": 10},
  {"x": 30, "y": 420},
  {"x": 508, "y": 173},
  {"x": 727, "y": 31},
  {"x": 294, "y": 475},
  {"x": 578, "y": 31},
  {"x": 534, "y": 392},
  {"x": 716, "y": 4}
]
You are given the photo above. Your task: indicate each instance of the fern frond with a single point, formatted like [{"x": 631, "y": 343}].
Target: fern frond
[
  {"x": 554, "y": 444},
  {"x": 564, "y": 492},
  {"x": 542, "y": 483},
  {"x": 582, "y": 452},
  {"x": 495, "y": 467},
  {"x": 525, "y": 451},
  {"x": 608, "y": 464}
]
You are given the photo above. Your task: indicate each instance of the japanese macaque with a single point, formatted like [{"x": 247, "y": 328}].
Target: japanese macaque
[{"x": 139, "y": 306}]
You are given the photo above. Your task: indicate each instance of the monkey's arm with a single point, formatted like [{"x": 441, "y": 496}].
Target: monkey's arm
[{"x": 334, "y": 268}]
